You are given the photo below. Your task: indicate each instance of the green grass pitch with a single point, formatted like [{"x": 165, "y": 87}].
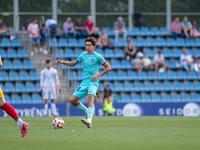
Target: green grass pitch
[{"x": 107, "y": 133}]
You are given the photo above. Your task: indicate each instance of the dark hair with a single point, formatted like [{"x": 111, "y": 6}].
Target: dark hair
[
  {"x": 34, "y": 19},
  {"x": 43, "y": 25},
  {"x": 92, "y": 40},
  {"x": 48, "y": 61}
]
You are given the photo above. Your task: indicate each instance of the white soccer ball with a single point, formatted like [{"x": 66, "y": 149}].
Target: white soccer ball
[{"x": 58, "y": 123}]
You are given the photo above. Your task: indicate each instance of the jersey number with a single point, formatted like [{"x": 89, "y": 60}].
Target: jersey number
[{"x": 78, "y": 88}]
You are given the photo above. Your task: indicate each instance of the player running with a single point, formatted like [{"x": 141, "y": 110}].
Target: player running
[
  {"x": 48, "y": 86},
  {"x": 23, "y": 126},
  {"x": 91, "y": 63}
]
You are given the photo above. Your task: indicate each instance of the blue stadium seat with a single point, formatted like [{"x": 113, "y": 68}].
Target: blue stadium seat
[
  {"x": 177, "y": 53},
  {"x": 69, "y": 53},
  {"x": 197, "y": 86},
  {"x": 161, "y": 42},
  {"x": 186, "y": 97},
  {"x": 5, "y": 42},
  {"x": 72, "y": 75},
  {"x": 17, "y": 64},
  {"x": 135, "y": 31},
  {"x": 20, "y": 87},
  {"x": 34, "y": 76},
  {"x": 176, "y": 98},
  {"x": 139, "y": 86},
  {"x": 7, "y": 99},
  {"x": 109, "y": 53},
  {"x": 3, "y": 53},
  {"x": 16, "y": 99},
  {"x": 30, "y": 87},
  {"x": 28, "y": 64},
  {"x": 198, "y": 75},
  {"x": 152, "y": 75},
  {"x": 132, "y": 75},
  {"x": 100, "y": 51},
  {"x": 80, "y": 75},
  {"x": 154, "y": 31},
  {"x": 16, "y": 43},
  {"x": 168, "y": 53},
  {"x": 163, "y": 29},
  {"x": 107, "y": 30},
  {"x": 119, "y": 53},
  {"x": 171, "y": 42},
  {"x": 149, "y": 52},
  {"x": 23, "y": 75},
  {"x": 190, "y": 42},
  {"x": 73, "y": 43},
  {"x": 119, "y": 87},
  {"x": 151, "y": 42},
  {"x": 149, "y": 86},
  {"x": 195, "y": 97},
  {"x": 198, "y": 42},
  {"x": 26, "y": 99},
  {"x": 2, "y": 86},
  {"x": 11, "y": 53},
  {"x": 13, "y": 76},
  {"x": 159, "y": 86},
  {"x": 135, "y": 98},
  {"x": 144, "y": 31},
  {"x": 182, "y": 75},
  {"x": 78, "y": 52},
  {"x": 189, "y": 51},
  {"x": 9, "y": 87},
  {"x": 38, "y": 87},
  {"x": 4, "y": 76},
  {"x": 62, "y": 42},
  {"x": 167, "y": 63},
  {"x": 166, "y": 98},
  {"x": 174, "y": 64},
  {"x": 129, "y": 87},
  {"x": 81, "y": 42},
  {"x": 7, "y": 64},
  {"x": 111, "y": 86},
  {"x": 125, "y": 64},
  {"x": 189, "y": 86},
  {"x": 196, "y": 51},
  {"x": 172, "y": 75},
  {"x": 191, "y": 75},
  {"x": 162, "y": 76},
  {"x": 21, "y": 53},
  {"x": 179, "y": 86},
  {"x": 155, "y": 98},
  {"x": 59, "y": 53},
  {"x": 169, "y": 86},
  {"x": 180, "y": 42},
  {"x": 122, "y": 75},
  {"x": 125, "y": 98},
  {"x": 156, "y": 50},
  {"x": 112, "y": 75},
  {"x": 142, "y": 75},
  {"x": 146, "y": 98},
  {"x": 141, "y": 42},
  {"x": 134, "y": 43},
  {"x": 116, "y": 98},
  {"x": 104, "y": 77},
  {"x": 101, "y": 88},
  {"x": 53, "y": 42},
  {"x": 122, "y": 43}
]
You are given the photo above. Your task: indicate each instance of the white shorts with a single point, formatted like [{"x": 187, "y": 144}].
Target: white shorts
[{"x": 49, "y": 91}]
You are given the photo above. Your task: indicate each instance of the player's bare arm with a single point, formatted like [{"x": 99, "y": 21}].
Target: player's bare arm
[
  {"x": 68, "y": 63},
  {"x": 1, "y": 63},
  {"x": 106, "y": 70}
]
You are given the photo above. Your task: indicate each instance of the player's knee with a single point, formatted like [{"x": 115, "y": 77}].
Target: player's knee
[{"x": 90, "y": 101}]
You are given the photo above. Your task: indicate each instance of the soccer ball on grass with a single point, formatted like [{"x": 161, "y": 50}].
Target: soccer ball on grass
[{"x": 58, "y": 123}]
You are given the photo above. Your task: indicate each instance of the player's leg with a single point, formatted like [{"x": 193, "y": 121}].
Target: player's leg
[
  {"x": 45, "y": 97},
  {"x": 74, "y": 100},
  {"x": 53, "y": 97}
]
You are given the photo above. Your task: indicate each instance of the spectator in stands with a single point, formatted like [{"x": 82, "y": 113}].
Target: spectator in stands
[
  {"x": 52, "y": 24},
  {"x": 108, "y": 106},
  {"x": 33, "y": 30},
  {"x": 79, "y": 27},
  {"x": 89, "y": 26},
  {"x": 176, "y": 28},
  {"x": 159, "y": 61},
  {"x": 43, "y": 39},
  {"x": 4, "y": 30},
  {"x": 104, "y": 39},
  {"x": 130, "y": 50},
  {"x": 68, "y": 28},
  {"x": 147, "y": 63},
  {"x": 137, "y": 62},
  {"x": 186, "y": 61},
  {"x": 120, "y": 29},
  {"x": 194, "y": 28},
  {"x": 186, "y": 27},
  {"x": 107, "y": 93},
  {"x": 196, "y": 62},
  {"x": 96, "y": 35}
]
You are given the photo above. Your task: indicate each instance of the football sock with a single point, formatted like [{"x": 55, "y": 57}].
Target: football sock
[
  {"x": 10, "y": 111},
  {"x": 82, "y": 107},
  {"x": 90, "y": 114},
  {"x": 53, "y": 107},
  {"x": 45, "y": 109},
  {"x": 20, "y": 122}
]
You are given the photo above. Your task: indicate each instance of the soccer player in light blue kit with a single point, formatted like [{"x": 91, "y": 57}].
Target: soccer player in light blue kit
[{"x": 91, "y": 62}]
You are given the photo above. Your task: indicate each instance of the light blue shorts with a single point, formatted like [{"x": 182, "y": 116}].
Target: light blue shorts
[
  {"x": 86, "y": 87},
  {"x": 34, "y": 40}
]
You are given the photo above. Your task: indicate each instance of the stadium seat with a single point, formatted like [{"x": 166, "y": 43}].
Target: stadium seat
[
  {"x": 186, "y": 97},
  {"x": 161, "y": 42},
  {"x": 109, "y": 53},
  {"x": 80, "y": 75},
  {"x": 23, "y": 75},
  {"x": 72, "y": 75},
  {"x": 132, "y": 75},
  {"x": 151, "y": 42},
  {"x": 4, "y": 76},
  {"x": 129, "y": 87},
  {"x": 100, "y": 51},
  {"x": 197, "y": 86},
  {"x": 112, "y": 75},
  {"x": 198, "y": 75},
  {"x": 62, "y": 42},
  {"x": 78, "y": 52},
  {"x": 182, "y": 75},
  {"x": 13, "y": 76},
  {"x": 174, "y": 64},
  {"x": 3, "y": 53},
  {"x": 119, "y": 53},
  {"x": 34, "y": 76},
  {"x": 122, "y": 43},
  {"x": 154, "y": 31},
  {"x": 30, "y": 87},
  {"x": 16, "y": 99},
  {"x": 135, "y": 31},
  {"x": 176, "y": 98},
  {"x": 141, "y": 42},
  {"x": 116, "y": 98},
  {"x": 134, "y": 43},
  {"x": 156, "y": 50},
  {"x": 21, "y": 53},
  {"x": 149, "y": 52},
  {"x": 9, "y": 88},
  {"x": 125, "y": 64},
  {"x": 149, "y": 86},
  {"x": 195, "y": 97},
  {"x": 171, "y": 42},
  {"x": 166, "y": 98},
  {"x": 38, "y": 87},
  {"x": 190, "y": 42},
  {"x": 196, "y": 51},
  {"x": 139, "y": 86},
  {"x": 179, "y": 86},
  {"x": 169, "y": 86},
  {"x": 168, "y": 53},
  {"x": 189, "y": 86},
  {"x": 59, "y": 53},
  {"x": 28, "y": 64},
  {"x": 53, "y": 42},
  {"x": 81, "y": 42},
  {"x": 122, "y": 75},
  {"x": 146, "y": 98},
  {"x": 159, "y": 86},
  {"x": 104, "y": 77},
  {"x": 144, "y": 31},
  {"x": 142, "y": 75},
  {"x": 163, "y": 29},
  {"x": 189, "y": 51},
  {"x": 152, "y": 75},
  {"x": 7, "y": 64},
  {"x": 16, "y": 43},
  {"x": 191, "y": 75},
  {"x": 26, "y": 98},
  {"x": 119, "y": 87},
  {"x": 180, "y": 42},
  {"x": 5, "y": 42},
  {"x": 177, "y": 53},
  {"x": 107, "y": 30},
  {"x": 11, "y": 53},
  {"x": 198, "y": 42},
  {"x": 171, "y": 75},
  {"x": 73, "y": 43},
  {"x": 17, "y": 64},
  {"x": 156, "y": 98},
  {"x": 7, "y": 99},
  {"x": 125, "y": 98},
  {"x": 162, "y": 76},
  {"x": 69, "y": 53},
  {"x": 135, "y": 98},
  {"x": 2, "y": 86},
  {"x": 20, "y": 87}
]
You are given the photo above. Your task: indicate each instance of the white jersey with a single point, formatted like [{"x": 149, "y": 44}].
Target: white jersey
[
  {"x": 48, "y": 76},
  {"x": 49, "y": 22}
]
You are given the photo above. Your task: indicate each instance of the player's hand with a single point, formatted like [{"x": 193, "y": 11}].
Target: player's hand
[
  {"x": 94, "y": 78},
  {"x": 59, "y": 61},
  {"x": 59, "y": 90},
  {"x": 41, "y": 90}
]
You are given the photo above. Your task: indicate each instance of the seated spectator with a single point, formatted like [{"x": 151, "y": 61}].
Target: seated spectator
[
  {"x": 176, "y": 28},
  {"x": 79, "y": 27},
  {"x": 159, "y": 61},
  {"x": 89, "y": 26},
  {"x": 68, "y": 28},
  {"x": 96, "y": 35},
  {"x": 194, "y": 28},
  {"x": 186, "y": 61},
  {"x": 33, "y": 30},
  {"x": 4, "y": 30},
  {"x": 147, "y": 63},
  {"x": 186, "y": 27},
  {"x": 52, "y": 24},
  {"x": 104, "y": 39},
  {"x": 137, "y": 62},
  {"x": 107, "y": 94},
  {"x": 130, "y": 50},
  {"x": 43, "y": 40},
  {"x": 120, "y": 29},
  {"x": 196, "y": 62}
]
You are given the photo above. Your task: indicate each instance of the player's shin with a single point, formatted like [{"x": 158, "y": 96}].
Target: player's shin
[
  {"x": 53, "y": 107},
  {"x": 82, "y": 107},
  {"x": 90, "y": 114},
  {"x": 45, "y": 109}
]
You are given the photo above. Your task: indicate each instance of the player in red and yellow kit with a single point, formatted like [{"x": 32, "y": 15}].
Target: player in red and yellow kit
[{"x": 23, "y": 126}]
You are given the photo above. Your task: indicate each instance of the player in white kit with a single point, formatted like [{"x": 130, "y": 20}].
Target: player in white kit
[{"x": 47, "y": 84}]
